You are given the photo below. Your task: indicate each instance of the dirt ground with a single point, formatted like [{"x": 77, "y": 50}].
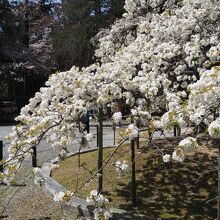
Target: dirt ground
[{"x": 26, "y": 201}]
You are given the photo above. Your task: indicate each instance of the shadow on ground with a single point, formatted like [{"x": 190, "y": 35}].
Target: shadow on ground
[{"x": 175, "y": 190}]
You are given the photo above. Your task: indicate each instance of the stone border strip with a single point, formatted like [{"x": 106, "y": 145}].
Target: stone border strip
[{"x": 77, "y": 205}]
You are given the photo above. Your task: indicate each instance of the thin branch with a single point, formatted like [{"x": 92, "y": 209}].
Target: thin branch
[
  {"x": 78, "y": 168},
  {"x": 104, "y": 164},
  {"x": 8, "y": 202},
  {"x": 216, "y": 198},
  {"x": 142, "y": 152},
  {"x": 158, "y": 149},
  {"x": 38, "y": 142},
  {"x": 208, "y": 171}
]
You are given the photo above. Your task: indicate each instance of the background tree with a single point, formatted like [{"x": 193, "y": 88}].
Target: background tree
[
  {"x": 36, "y": 35},
  {"x": 25, "y": 48},
  {"x": 78, "y": 22}
]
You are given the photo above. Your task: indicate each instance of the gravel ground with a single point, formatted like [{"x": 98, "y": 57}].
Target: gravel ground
[
  {"x": 30, "y": 202},
  {"x": 25, "y": 200}
]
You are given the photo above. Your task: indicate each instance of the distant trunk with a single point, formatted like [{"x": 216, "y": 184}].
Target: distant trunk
[{"x": 26, "y": 25}]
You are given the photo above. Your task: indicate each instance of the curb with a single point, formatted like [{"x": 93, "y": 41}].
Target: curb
[{"x": 77, "y": 205}]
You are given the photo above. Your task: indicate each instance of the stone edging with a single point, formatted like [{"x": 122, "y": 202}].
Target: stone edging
[{"x": 77, "y": 205}]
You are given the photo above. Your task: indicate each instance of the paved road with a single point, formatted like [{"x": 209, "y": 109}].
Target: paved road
[{"x": 46, "y": 153}]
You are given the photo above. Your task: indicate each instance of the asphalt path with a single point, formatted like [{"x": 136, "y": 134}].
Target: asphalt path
[{"x": 45, "y": 152}]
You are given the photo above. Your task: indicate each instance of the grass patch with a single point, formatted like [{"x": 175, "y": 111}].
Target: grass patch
[{"x": 165, "y": 190}]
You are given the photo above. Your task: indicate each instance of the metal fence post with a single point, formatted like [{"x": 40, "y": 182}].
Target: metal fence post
[
  {"x": 97, "y": 138},
  {"x": 1, "y": 155},
  {"x": 100, "y": 151},
  {"x": 34, "y": 157},
  {"x": 138, "y": 141},
  {"x": 218, "y": 143},
  {"x": 214, "y": 115},
  {"x": 174, "y": 131},
  {"x": 179, "y": 131},
  {"x": 114, "y": 129},
  {"x": 133, "y": 175}
]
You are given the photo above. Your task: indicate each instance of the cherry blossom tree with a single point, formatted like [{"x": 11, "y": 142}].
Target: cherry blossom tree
[{"x": 162, "y": 57}]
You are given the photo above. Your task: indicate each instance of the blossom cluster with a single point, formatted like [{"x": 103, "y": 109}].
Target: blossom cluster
[
  {"x": 214, "y": 128},
  {"x": 101, "y": 205},
  {"x": 38, "y": 177},
  {"x": 63, "y": 196},
  {"x": 121, "y": 166},
  {"x": 186, "y": 146},
  {"x": 117, "y": 117},
  {"x": 204, "y": 96},
  {"x": 131, "y": 132}
]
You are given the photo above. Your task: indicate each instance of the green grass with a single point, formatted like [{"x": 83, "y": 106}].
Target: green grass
[{"x": 165, "y": 190}]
